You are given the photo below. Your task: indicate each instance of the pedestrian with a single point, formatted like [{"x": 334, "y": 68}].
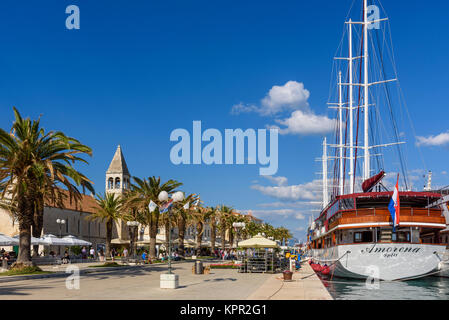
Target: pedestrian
[
  {"x": 92, "y": 253},
  {"x": 101, "y": 254},
  {"x": 83, "y": 253},
  {"x": 125, "y": 253}
]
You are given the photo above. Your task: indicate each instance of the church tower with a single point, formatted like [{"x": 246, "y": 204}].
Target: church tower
[
  {"x": 117, "y": 175},
  {"x": 117, "y": 181}
]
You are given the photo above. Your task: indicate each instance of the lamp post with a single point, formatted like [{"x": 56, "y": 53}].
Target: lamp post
[
  {"x": 60, "y": 222},
  {"x": 169, "y": 280},
  {"x": 133, "y": 230},
  {"x": 238, "y": 226}
]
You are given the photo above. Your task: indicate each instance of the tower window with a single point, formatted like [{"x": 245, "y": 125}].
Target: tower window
[
  {"x": 117, "y": 183},
  {"x": 110, "y": 183}
]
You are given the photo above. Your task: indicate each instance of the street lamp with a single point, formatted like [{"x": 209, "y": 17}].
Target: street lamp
[
  {"x": 60, "y": 222},
  {"x": 132, "y": 232},
  {"x": 238, "y": 226},
  {"x": 169, "y": 280}
]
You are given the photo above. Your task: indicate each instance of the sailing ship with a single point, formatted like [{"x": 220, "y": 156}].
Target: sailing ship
[{"x": 354, "y": 235}]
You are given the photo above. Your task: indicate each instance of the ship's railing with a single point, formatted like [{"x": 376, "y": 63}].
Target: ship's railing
[
  {"x": 384, "y": 211},
  {"x": 376, "y": 215}
]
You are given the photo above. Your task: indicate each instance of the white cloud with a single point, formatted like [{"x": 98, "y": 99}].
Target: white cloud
[
  {"x": 306, "y": 123},
  {"x": 290, "y": 96},
  {"x": 444, "y": 172},
  {"x": 307, "y": 191},
  {"x": 280, "y": 181},
  {"x": 285, "y": 213},
  {"x": 243, "y": 108},
  {"x": 277, "y": 212},
  {"x": 438, "y": 140},
  {"x": 299, "y": 216},
  {"x": 296, "y": 204}
]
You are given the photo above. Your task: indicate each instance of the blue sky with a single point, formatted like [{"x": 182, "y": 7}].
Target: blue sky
[{"x": 137, "y": 70}]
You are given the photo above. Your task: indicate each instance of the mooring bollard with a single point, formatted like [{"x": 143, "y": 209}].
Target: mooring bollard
[{"x": 198, "y": 267}]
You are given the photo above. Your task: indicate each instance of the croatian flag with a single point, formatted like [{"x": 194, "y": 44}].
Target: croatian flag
[
  {"x": 164, "y": 208},
  {"x": 394, "y": 206}
]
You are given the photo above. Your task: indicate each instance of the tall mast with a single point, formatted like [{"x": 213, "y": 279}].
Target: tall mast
[
  {"x": 340, "y": 115},
  {"x": 366, "y": 173},
  {"x": 325, "y": 193},
  {"x": 351, "y": 124}
]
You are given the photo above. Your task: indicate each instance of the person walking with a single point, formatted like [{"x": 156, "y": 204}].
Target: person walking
[
  {"x": 83, "y": 253},
  {"x": 92, "y": 253}
]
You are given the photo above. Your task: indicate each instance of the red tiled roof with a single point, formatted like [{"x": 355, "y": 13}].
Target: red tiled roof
[{"x": 86, "y": 204}]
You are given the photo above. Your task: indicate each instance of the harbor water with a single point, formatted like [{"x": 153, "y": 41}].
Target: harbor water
[{"x": 428, "y": 288}]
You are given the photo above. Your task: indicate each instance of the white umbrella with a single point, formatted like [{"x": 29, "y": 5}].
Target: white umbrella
[
  {"x": 73, "y": 241},
  {"x": 52, "y": 240},
  {"x": 34, "y": 241},
  {"x": 8, "y": 241},
  {"x": 258, "y": 242}
]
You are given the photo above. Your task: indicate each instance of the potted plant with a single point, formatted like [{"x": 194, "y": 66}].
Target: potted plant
[{"x": 288, "y": 275}]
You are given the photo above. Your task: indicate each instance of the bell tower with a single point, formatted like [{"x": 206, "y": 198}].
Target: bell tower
[
  {"x": 117, "y": 175},
  {"x": 117, "y": 181}
]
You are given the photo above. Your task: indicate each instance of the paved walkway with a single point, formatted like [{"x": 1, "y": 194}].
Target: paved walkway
[
  {"x": 305, "y": 286},
  {"x": 142, "y": 282}
]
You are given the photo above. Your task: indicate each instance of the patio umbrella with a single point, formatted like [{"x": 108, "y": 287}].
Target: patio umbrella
[
  {"x": 52, "y": 240},
  {"x": 34, "y": 241},
  {"x": 8, "y": 241},
  {"x": 146, "y": 240},
  {"x": 119, "y": 241},
  {"x": 74, "y": 241},
  {"x": 258, "y": 242}
]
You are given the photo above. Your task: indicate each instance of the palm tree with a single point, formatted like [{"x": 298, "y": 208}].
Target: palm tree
[
  {"x": 251, "y": 229},
  {"x": 144, "y": 191},
  {"x": 224, "y": 213},
  {"x": 200, "y": 216},
  {"x": 109, "y": 211},
  {"x": 282, "y": 234},
  {"x": 33, "y": 166},
  {"x": 182, "y": 218},
  {"x": 213, "y": 217},
  {"x": 130, "y": 213}
]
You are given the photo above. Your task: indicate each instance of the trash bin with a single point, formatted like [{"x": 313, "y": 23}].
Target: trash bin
[
  {"x": 288, "y": 275},
  {"x": 198, "y": 267}
]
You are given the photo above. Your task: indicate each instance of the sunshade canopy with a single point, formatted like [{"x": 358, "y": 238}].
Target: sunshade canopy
[
  {"x": 34, "y": 241},
  {"x": 258, "y": 242},
  {"x": 76, "y": 242},
  {"x": 8, "y": 241},
  {"x": 52, "y": 240}
]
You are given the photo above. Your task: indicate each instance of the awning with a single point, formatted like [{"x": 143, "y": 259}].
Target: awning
[
  {"x": 8, "y": 241},
  {"x": 146, "y": 240},
  {"x": 76, "y": 242},
  {"x": 258, "y": 242},
  {"x": 119, "y": 241},
  {"x": 34, "y": 241},
  {"x": 52, "y": 240}
]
